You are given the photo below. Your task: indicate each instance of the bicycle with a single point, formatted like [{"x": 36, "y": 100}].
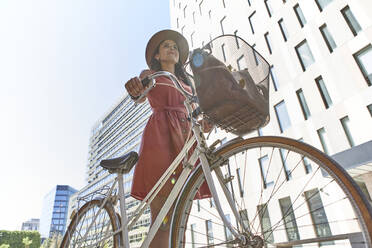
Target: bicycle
[{"x": 245, "y": 193}]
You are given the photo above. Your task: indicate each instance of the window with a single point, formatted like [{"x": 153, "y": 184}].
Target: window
[
  {"x": 251, "y": 19},
  {"x": 228, "y": 235},
  {"x": 208, "y": 225},
  {"x": 193, "y": 235},
  {"x": 178, "y": 24},
  {"x": 198, "y": 203},
  {"x": 331, "y": 44},
  {"x": 323, "y": 92},
  {"x": 249, "y": 2},
  {"x": 200, "y": 7},
  {"x": 345, "y": 122},
  {"x": 364, "y": 61},
  {"x": 193, "y": 17},
  {"x": 289, "y": 219},
  {"x": 221, "y": 23},
  {"x": 323, "y": 139},
  {"x": 210, "y": 14},
  {"x": 283, "y": 156},
  {"x": 223, "y": 52},
  {"x": 259, "y": 131},
  {"x": 300, "y": 16},
  {"x": 306, "y": 163},
  {"x": 255, "y": 55},
  {"x": 263, "y": 161},
  {"x": 351, "y": 21},
  {"x": 369, "y": 107},
  {"x": 244, "y": 217},
  {"x": 305, "y": 109},
  {"x": 182, "y": 29},
  {"x": 283, "y": 29},
  {"x": 223, "y": 3},
  {"x": 241, "y": 188},
  {"x": 184, "y": 11},
  {"x": 241, "y": 63},
  {"x": 282, "y": 116},
  {"x": 265, "y": 223},
  {"x": 267, "y": 39},
  {"x": 236, "y": 39},
  {"x": 274, "y": 78},
  {"x": 192, "y": 40},
  {"x": 318, "y": 215},
  {"x": 268, "y": 8},
  {"x": 322, "y": 4},
  {"x": 304, "y": 55}
]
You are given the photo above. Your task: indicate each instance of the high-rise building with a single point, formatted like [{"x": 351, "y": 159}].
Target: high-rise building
[
  {"x": 119, "y": 131},
  {"x": 320, "y": 53},
  {"x": 54, "y": 212},
  {"x": 31, "y": 225}
]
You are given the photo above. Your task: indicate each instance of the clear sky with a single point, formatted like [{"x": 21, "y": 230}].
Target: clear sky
[{"x": 63, "y": 64}]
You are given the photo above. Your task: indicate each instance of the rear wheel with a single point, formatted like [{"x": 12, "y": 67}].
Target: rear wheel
[
  {"x": 98, "y": 234},
  {"x": 287, "y": 193}
]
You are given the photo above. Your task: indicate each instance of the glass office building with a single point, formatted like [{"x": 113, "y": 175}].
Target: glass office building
[{"x": 55, "y": 208}]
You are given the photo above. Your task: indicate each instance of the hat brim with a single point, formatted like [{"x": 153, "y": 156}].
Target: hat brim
[{"x": 167, "y": 34}]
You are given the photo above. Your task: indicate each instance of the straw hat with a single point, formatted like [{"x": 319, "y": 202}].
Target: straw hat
[{"x": 167, "y": 34}]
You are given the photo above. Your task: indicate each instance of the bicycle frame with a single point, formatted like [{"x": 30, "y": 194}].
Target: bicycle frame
[{"x": 199, "y": 153}]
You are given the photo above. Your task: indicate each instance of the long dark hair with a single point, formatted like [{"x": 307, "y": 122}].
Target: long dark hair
[{"x": 179, "y": 71}]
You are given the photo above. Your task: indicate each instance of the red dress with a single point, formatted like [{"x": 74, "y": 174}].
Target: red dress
[{"x": 163, "y": 138}]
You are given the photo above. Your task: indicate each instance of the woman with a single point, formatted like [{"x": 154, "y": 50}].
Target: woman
[{"x": 168, "y": 127}]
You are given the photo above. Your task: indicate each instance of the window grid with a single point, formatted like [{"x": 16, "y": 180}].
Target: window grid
[
  {"x": 265, "y": 223},
  {"x": 322, "y": 4},
  {"x": 351, "y": 20},
  {"x": 283, "y": 29},
  {"x": 250, "y": 18},
  {"x": 289, "y": 218},
  {"x": 322, "y": 137},
  {"x": 364, "y": 61},
  {"x": 369, "y": 107},
  {"x": 268, "y": 8},
  {"x": 328, "y": 39},
  {"x": 345, "y": 122},
  {"x": 221, "y": 24},
  {"x": 274, "y": 78},
  {"x": 300, "y": 15},
  {"x": 305, "y": 109},
  {"x": 323, "y": 92},
  {"x": 304, "y": 54},
  {"x": 282, "y": 116},
  {"x": 318, "y": 215},
  {"x": 267, "y": 39},
  {"x": 209, "y": 231}
]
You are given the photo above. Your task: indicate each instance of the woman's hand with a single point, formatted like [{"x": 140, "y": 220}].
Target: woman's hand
[
  {"x": 134, "y": 85},
  {"x": 206, "y": 126}
]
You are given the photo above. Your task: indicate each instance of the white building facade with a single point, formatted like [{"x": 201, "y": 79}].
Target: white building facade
[
  {"x": 118, "y": 132},
  {"x": 320, "y": 52}
]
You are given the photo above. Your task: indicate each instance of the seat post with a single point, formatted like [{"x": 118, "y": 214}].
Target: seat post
[{"x": 123, "y": 211}]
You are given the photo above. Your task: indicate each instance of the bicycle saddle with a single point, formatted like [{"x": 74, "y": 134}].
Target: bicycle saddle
[{"x": 121, "y": 164}]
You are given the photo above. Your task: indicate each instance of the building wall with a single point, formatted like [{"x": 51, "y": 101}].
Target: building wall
[
  {"x": 351, "y": 93},
  {"x": 118, "y": 132},
  {"x": 55, "y": 209},
  {"x": 31, "y": 225}
]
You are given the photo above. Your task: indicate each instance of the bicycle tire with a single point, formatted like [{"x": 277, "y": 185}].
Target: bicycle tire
[
  {"x": 107, "y": 221},
  {"x": 293, "y": 226}
]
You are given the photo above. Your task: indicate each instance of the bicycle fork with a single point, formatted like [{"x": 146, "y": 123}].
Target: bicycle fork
[{"x": 208, "y": 176}]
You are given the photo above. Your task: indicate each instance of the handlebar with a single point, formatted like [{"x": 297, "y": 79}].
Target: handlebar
[{"x": 149, "y": 83}]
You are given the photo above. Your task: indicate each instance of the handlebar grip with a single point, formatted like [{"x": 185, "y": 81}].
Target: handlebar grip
[{"x": 145, "y": 81}]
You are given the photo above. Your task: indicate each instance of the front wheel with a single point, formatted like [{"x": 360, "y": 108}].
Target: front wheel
[
  {"x": 287, "y": 194},
  {"x": 93, "y": 226}
]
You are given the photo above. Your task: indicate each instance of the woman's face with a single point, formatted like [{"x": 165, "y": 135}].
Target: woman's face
[{"x": 168, "y": 52}]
